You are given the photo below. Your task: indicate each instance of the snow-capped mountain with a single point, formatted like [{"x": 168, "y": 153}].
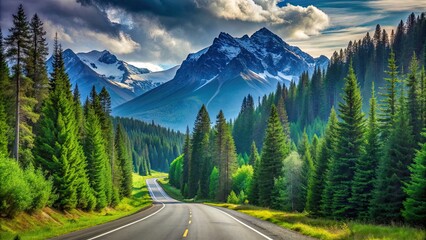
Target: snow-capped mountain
[
  {"x": 102, "y": 69},
  {"x": 220, "y": 76}
]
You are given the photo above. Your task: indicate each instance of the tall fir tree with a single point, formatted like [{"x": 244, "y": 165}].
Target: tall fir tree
[
  {"x": 392, "y": 171},
  {"x": 413, "y": 98},
  {"x": 282, "y": 113},
  {"x": 186, "y": 162},
  {"x": 349, "y": 148},
  {"x": 365, "y": 167},
  {"x": 274, "y": 151},
  {"x": 17, "y": 51},
  {"x": 58, "y": 150},
  {"x": 306, "y": 171},
  {"x": 94, "y": 149},
  {"x": 243, "y": 126},
  {"x": 124, "y": 161},
  {"x": 389, "y": 98},
  {"x": 36, "y": 62},
  {"x": 317, "y": 196},
  {"x": 253, "y": 195},
  {"x": 201, "y": 128},
  {"x": 415, "y": 205}
]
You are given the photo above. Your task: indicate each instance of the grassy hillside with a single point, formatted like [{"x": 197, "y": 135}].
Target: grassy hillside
[{"x": 51, "y": 222}]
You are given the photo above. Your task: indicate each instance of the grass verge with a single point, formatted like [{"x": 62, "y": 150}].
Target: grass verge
[
  {"x": 175, "y": 193},
  {"x": 326, "y": 228},
  {"x": 50, "y": 222},
  {"x": 170, "y": 190}
]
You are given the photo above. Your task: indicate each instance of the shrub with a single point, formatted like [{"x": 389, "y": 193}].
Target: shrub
[
  {"x": 15, "y": 193},
  {"x": 232, "y": 198},
  {"x": 40, "y": 188}
]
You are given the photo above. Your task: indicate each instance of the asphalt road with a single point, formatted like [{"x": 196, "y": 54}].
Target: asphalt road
[{"x": 170, "y": 219}]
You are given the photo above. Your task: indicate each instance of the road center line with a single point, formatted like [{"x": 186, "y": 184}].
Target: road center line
[
  {"x": 254, "y": 230},
  {"x": 129, "y": 224},
  {"x": 185, "y": 233}
]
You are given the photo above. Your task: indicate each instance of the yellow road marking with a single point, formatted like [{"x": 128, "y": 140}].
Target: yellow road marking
[
  {"x": 185, "y": 233},
  {"x": 189, "y": 222}
]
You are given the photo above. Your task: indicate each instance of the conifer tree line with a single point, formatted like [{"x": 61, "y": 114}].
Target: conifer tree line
[
  {"x": 54, "y": 151},
  {"x": 365, "y": 162},
  {"x": 152, "y": 146},
  {"x": 309, "y": 101}
]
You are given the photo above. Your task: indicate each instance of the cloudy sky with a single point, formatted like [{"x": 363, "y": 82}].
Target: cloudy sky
[{"x": 163, "y": 32}]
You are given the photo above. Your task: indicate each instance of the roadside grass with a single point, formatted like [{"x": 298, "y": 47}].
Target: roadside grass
[
  {"x": 50, "y": 222},
  {"x": 326, "y": 228},
  {"x": 175, "y": 193},
  {"x": 170, "y": 190}
]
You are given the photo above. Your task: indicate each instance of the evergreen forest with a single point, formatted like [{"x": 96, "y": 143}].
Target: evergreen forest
[
  {"x": 346, "y": 142},
  {"x": 56, "y": 151}
]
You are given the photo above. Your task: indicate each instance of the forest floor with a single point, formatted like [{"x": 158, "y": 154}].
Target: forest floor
[
  {"x": 315, "y": 227},
  {"x": 50, "y": 222}
]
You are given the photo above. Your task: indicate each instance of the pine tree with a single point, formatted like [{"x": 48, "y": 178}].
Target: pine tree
[
  {"x": 58, "y": 150},
  {"x": 94, "y": 149},
  {"x": 124, "y": 161},
  {"x": 17, "y": 51},
  {"x": 422, "y": 97},
  {"x": 389, "y": 100},
  {"x": 349, "y": 148},
  {"x": 282, "y": 113},
  {"x": 186, "y": 160},
  {"x": 306, "y": 171},
  {"x": 225, "y": 157},
  {"x": 413, "y": 99},
  {"x": 316, "y": 199},
  {"x": 365, "y": 167},
  {"x": 253, "y": 195},
  {"x": 201, "y": 128},
  {"x": 79, "y": 116},
  {"x": 315, "y": 149},
  {"x": 392, "y": 171},
  {"x": 36, "y": 61},
  {"x": 415, "y": 204},
  {"x": 243, "y": 126},
  {"x": 274, "y": 151},
  {"x": 206, "y": 168}
]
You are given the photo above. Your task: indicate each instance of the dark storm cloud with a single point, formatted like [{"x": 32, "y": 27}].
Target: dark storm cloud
[
  {"x": 165, "y": 31},
  {"x": 166, "y": 8},
  {"x": 65, "y": 13}
]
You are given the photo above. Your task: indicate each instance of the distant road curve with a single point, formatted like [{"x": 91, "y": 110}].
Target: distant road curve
[{"x": 170, "y": 219}]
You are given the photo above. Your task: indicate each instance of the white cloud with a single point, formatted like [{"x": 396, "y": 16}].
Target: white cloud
[
  {"x": 53, "y": 29},
  {"x": 298, "y": 22},
  {"x": 327, "y": 43},
  {"x": 119, "y": 16},
  {"x": 397, "y": 5},
  {"x": 161, "y": 44},
  {"x": 123, "y": 44}
]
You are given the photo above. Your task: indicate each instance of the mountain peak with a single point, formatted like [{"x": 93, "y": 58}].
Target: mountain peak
[
  {"x": 107, "y": 57},
  {"x": 68, "y": 53},
  {"x": 224, "y": 35},
  {"x": 265, "y": 35}
]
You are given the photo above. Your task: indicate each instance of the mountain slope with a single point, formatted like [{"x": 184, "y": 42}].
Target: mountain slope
[
  {"x": 102, "y": 69},
  {"x": 220, "y": 76}
]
